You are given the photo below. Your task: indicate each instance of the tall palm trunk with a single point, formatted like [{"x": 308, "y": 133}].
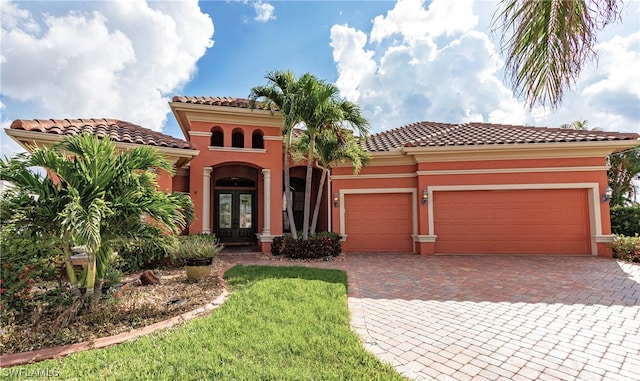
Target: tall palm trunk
[
  {"x": 307, "y": 190},
  {"x": 287, "y": 187},
  {"x": 68, "y": 264},
  {"x": 90, "y": 281},
  {"x": 316, "y": 210}
]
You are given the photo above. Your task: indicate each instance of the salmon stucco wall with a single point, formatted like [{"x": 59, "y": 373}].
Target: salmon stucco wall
[{"x": 523, "y": 176}]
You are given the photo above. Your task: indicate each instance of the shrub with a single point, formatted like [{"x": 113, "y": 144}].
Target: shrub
[
  {"x": 143, "y": 251},
  {"x": 625, "y": 220},
  {"x": 626, "y": 248},
  {"x": 26, "y": 260},
  {"x": 318, "y": 245},
  {"x": 276, "y": 245},
  {"x": 198, "y": 246}
]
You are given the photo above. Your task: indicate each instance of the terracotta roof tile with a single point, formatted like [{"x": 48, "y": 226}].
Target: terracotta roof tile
[
  {"x": 429, "y": 134},
  {"x": 216, "y": 101},
  {"x": 116, "y": 130}
]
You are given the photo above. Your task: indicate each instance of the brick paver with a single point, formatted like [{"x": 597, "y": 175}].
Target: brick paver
[{"x": 493, "y": 317}]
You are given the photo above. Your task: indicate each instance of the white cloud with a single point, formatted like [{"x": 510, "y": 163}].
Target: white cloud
[
  {"x": 436, "y": 71},
  {"x": 439, "y": 63},
  {"x": 114, "y": 59},
  {"x": 410, "y": 19},
  {"x": 264, "y": 11}
]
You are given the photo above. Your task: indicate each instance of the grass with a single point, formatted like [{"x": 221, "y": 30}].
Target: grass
[{"x": 280, "y": 323}]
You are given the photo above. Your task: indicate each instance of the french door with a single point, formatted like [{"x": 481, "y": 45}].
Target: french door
[{"x": 235, "y": 216}]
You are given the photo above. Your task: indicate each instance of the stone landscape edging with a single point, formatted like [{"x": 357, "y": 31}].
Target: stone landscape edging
[{"x": 23, "y": 358}]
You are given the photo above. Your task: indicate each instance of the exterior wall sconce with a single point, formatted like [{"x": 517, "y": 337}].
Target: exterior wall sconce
[
  {"x": 425, "y": 196},
  {"x": 607, "y": 195},
  {"x": 336, "y": 200}
]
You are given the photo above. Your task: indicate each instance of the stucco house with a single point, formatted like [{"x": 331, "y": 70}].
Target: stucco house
[{"x": 430, "y": 188}]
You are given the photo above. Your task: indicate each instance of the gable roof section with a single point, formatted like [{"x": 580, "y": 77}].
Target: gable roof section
[
  {"x": 117, "y": 130},
  {"x": 429, "y": 134}
]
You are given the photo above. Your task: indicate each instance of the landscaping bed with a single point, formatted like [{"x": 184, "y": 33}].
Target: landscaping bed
[{"x": 121, "y": 310}]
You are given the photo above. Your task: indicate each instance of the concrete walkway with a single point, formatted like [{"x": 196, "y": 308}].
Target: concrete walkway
[{"x": 494, "y": 317}]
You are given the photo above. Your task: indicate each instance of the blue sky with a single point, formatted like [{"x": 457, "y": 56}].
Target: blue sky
[{"x": 402, "y": 61}]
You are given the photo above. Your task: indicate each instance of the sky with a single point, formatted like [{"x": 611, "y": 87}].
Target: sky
[{"x": 403, "y": 61}]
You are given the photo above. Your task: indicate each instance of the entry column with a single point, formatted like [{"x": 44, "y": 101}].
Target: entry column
[
  {"x": 266, "y": 230},
  {"x": 206, "y": 199}
]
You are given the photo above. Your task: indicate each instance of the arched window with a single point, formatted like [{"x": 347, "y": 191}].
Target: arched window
[
  {"x": 217, "y": 137},
  {"x": 237, "y": 138},
  {"x": 257, "y": 140}
]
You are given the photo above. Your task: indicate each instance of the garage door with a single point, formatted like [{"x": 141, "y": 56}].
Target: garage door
[
  {"x": 378, "y": 222},
  {"x": 512, "y": 222}
]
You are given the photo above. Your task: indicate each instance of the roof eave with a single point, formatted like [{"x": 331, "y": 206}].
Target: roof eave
[
  {"x": 524, "y": 150},
  {"x": 30, "y": 139}
]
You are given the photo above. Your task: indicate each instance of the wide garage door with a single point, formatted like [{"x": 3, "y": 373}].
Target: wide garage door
[
  {"x": 554, "y": 221},
  {"x": 378, "y": 222}
]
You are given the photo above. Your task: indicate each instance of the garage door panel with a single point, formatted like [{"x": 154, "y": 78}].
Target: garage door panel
[
  {"x": 378, "y": 222},
  {"x": 554, "y": 221}
]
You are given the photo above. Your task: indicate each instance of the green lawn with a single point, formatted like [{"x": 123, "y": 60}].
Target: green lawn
[{"x": 280, "y": 323}]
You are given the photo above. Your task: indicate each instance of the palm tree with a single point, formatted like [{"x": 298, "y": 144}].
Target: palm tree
[
  {"x": 548, "y": 42},
  {"x": 331, "y": 148},
  {"x": 278, "y": 95},
  {"x": 94, "y": 193},
  {"x": 576, "y": 125},
  {"x": 320, "y": 108}
]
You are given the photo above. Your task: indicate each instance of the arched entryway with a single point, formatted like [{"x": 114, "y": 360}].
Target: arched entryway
[{"x": 235, "y": 204}]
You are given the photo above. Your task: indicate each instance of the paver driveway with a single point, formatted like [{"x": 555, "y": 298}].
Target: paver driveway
[{"x": 496, "y": 317}]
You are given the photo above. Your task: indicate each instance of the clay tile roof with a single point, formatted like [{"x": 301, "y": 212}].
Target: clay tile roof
[
  {"x": 216, "y": 101},
  {"x": 116, "y": 130},
  {"x": 429, "y": 134}
]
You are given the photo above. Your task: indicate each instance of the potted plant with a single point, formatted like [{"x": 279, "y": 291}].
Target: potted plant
[{"x": 197, "y": 251}]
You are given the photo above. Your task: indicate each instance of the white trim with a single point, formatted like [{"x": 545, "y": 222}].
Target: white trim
[
  {"x": 206, "y": 199},
  {"x": 425, "y": 238},
  {"x": 605, "y": 238},
  {"x": 266, "y": 208},
  {"x": 414, "y": 205},
  {"x": 512, "y": 170},
  {"x": 280, "y": 138},
  {"x": 375, "y": 176},
  {"x": 235, "y": 149},
  {"x": 200, "y": 133},
  {"x": 592, "y": 190},
  {"x": 266, "y": 238}
]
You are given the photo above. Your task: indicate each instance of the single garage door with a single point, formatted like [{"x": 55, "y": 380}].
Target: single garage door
[
  {"x": 378, "y": 222},
  {"x": 554, "y": 221}
]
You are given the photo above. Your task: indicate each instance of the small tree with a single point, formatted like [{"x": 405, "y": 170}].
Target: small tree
[
  {"x": 320, "y": 108},
  {"x": 93, "y": 194}
]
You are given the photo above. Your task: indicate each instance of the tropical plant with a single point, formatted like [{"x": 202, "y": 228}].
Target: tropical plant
[
  {"x": 547, "y": 43},
  {"x": 331, "y": 148},
  {"x": 278, "y": 95},
  {"x": 576, "y": 125},
  {"x": 93, "y": 194},
  {"x": 320, "y": 108},
  {"x": 624, "y": 168}
]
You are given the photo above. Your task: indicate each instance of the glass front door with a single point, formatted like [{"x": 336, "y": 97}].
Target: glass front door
[{"x": 235, "y": 216}]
